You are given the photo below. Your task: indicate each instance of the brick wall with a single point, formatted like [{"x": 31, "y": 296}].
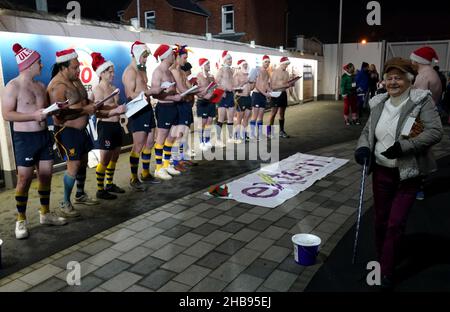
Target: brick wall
[{"x": 260, "y": 20}]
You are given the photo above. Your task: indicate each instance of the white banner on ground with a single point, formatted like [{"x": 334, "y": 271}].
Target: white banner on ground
[{"x": 273, "y": 185}]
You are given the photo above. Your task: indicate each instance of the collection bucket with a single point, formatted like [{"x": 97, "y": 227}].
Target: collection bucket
[{"x": 306, "y": 248}]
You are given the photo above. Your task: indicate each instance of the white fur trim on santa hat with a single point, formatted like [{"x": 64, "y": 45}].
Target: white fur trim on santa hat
[
  {"x": 419, "y": 59},
  {"x": 285, "y": 60},
  {"x": 65, "y": 57},
  {"x": 103, "y": 67},
  {"x": 138, "y": 49}
]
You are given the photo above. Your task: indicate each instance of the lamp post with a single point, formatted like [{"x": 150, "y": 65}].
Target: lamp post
[
  {"x": 138, "y": 7},
  {"x": 339, "y": 53}
]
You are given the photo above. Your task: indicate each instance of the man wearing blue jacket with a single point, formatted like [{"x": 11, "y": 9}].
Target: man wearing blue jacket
[{"x": 362, "y": 85}]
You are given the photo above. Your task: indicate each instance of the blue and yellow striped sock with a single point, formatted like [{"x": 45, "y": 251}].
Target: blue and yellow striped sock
[
  {"x": 44, "y": 197},
  {"x": 110, "y": 172},
  {"x": 167, "y": 153},
  {"x": 146, "y": 155},
  {"x": 100, "y": 174},
  {"x": 159, "y": 156},
  {"x": 134, "y": 164},
  {"x": 21, "y": 204}
]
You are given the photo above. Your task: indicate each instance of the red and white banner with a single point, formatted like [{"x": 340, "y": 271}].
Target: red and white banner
[{"x": 274, "y": 184}]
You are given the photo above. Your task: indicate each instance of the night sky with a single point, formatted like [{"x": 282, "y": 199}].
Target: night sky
[{"x": 401, "y": 20}]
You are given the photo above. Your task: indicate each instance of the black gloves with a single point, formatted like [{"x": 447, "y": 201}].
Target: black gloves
[
  {"x": 362, "y": 155},
  {"x": 393, "y": 152}
]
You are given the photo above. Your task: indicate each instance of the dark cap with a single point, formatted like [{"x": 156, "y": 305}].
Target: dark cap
[{"x": 401, "y": 64}]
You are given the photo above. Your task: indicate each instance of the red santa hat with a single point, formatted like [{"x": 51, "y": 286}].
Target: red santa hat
[
  {"x": 163, "y": 51},
  {"x": 266, "y": 58},
  {"x": 285, "y": 60},
  {"x": 203, "y": 61},
  {"x": 241, "y": 62},
  {"x": 25, "y": 57},
  {"x": 99, "y": 64},
  {"x": 137, "y": 48},
  {"x": 424, "y": 55},
  {"x": 225, "y": 55},
  {"x": 66, "y": 55}
]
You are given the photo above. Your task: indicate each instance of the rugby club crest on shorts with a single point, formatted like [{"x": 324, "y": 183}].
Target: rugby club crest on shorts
[
  {"x": 71, "y": 152},
  {"x": 107, "y": 143}
]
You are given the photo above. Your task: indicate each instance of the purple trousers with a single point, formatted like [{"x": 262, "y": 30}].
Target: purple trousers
[{"x": 393, "y": 200}]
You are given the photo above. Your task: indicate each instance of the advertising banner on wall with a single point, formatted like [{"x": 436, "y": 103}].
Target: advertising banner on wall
[{"x": 119, "y": 53}]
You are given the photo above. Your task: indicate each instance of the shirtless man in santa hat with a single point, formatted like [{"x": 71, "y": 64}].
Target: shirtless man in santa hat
[
  {"x": 260, "y": 95},
  {"x": 224, "y": 79},
  {"x": 72, "y": 137},
  {"x": 109, "y": 129},
  {"x": 185, "y": 117},
  {"x": 142, "y": 124},
  {"x": 279, "y": 81},
  {"x": 164, "y": 86},
  {"x": 205, "y": 109},
  {"x": 244, "y": 108},
  {"x": 23, "y": 103}
]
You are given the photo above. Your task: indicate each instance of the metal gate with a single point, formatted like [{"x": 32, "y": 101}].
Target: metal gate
[{"x": 404, "y": 49}]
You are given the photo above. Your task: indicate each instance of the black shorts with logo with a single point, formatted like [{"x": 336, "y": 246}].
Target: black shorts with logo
[
  {"x": 205, "y": 109},
  {"x": 109, "y": 135},
  {"x": 244, "y": 102},
  {"x": 259, "y": 100},
  {"x": 280, "y": 101},
  {"x": 185, "y": 116},
  {"x": 32, "y": 147},
  {"x": 73, "y": 143},
  {"x": 143, "y": 120},
  {"x": 166, "y": 115},
  {"x": 228, "y": 100}
]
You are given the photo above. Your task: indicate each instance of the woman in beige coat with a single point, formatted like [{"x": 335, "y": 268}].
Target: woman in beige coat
[{"x": 396, "y": 145}]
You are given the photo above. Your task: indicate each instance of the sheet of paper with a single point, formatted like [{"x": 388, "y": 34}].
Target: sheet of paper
[
  {"x": 275, "y": 94},
  {"x": 408, "y": 126},
  {"x": 136, "y": 105},
  {"x": 100, "y": 103},
  {"x": 55, "y": 106},
  {"x": 191, "y": 90},
  {"x": 167, "y": 85}
]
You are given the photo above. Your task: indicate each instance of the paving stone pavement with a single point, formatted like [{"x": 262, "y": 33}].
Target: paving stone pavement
[{"x": 198, "y": 243}]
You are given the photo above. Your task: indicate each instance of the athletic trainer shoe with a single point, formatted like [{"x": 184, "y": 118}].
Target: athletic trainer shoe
[
  {"x": 112, "y": 188},
  {"x": 66, "y": 210},
  {"x": 21, "y": 229},
  {"x": 51, "y": 219},
  {"x": 86, "y": 200},
  {"x": 150, "y": 179},
  {"x": 162, "y": 174},
  {"x": 284, "y": 135},
  {"x": 105, "y": 195},
  {"x": 172, "y": 171},
  {"x": 137, "y": 185}
]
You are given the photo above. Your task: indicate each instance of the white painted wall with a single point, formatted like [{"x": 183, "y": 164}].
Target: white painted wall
[{"x": 352, "y": 53}]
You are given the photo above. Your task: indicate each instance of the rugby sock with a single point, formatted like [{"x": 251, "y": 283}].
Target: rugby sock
[
  {"x": 146, "y": 155},
  {"x": 44, "y": 197},
  {"x": 259, "y": 124},
  {"x": 167, "y": 153},
  {"x": 81, "y": 179},
  {"x": 134, "y": 164},
  {"x": 230, "y": 129},
  {"x": 159, "y": 156},
  {"x": 219, "y": 130},
  {"x": 175, "y": 154},
  {"x": 269, "y": 130},
  {"x": 181, "y": 151},
  {"x": 21, "y": 204},
  {"x": 281, "y": 124},
  {"x": 100, "y": 174},
  {"x": 110, "y": 172},
  {"x": 69, "y": 182},
  {"x": 207, "y": 134},
  {"x": 252, "y": 127}
]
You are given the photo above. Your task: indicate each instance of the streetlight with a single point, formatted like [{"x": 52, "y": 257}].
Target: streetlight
[{"x": 339, "y": 53}]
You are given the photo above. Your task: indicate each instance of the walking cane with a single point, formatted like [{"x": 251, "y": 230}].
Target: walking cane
[{"x": 361, "y": 197}]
